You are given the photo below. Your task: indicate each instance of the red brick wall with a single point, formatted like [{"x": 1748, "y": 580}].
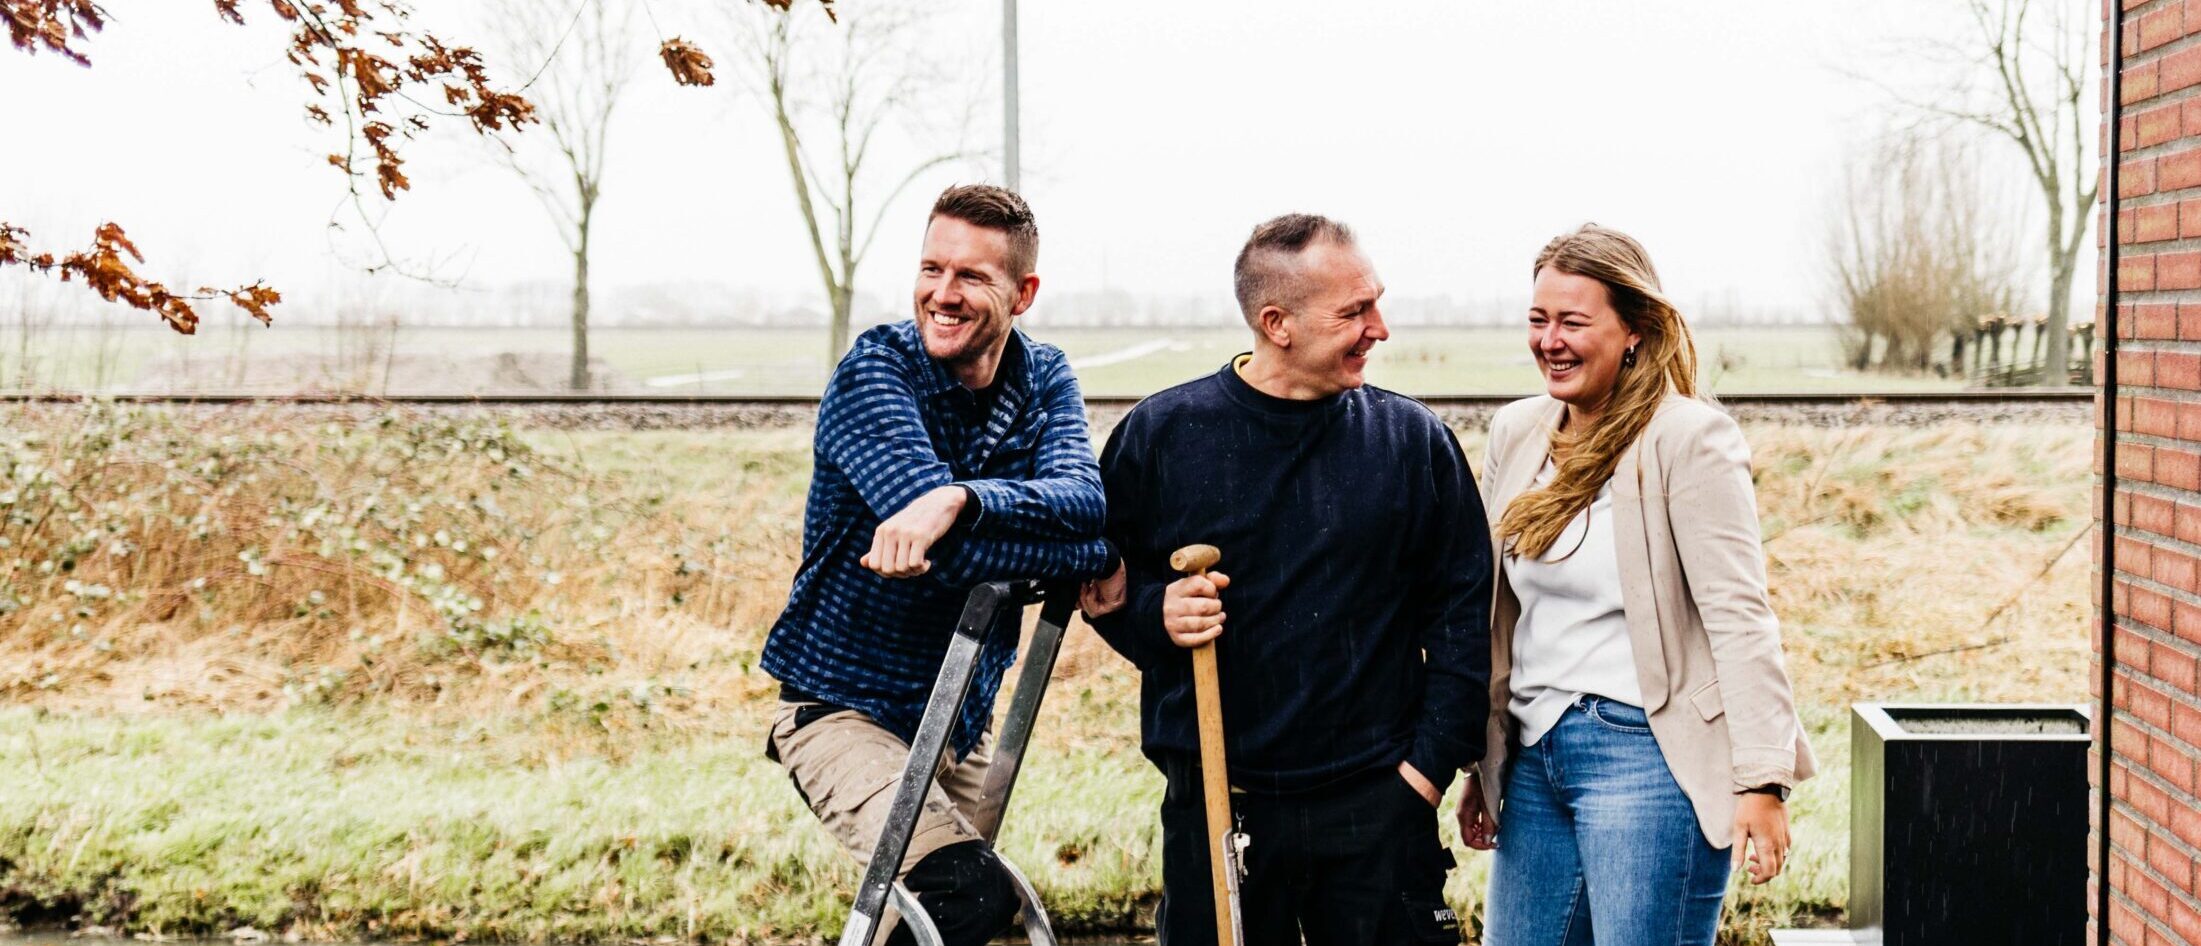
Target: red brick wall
[{"x": 2155, "y": 734}]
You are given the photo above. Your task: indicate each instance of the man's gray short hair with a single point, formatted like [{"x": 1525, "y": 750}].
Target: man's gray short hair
[{"x": 1268, "y": 267}]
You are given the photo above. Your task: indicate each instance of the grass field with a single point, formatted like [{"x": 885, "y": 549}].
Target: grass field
[
  {"x": 442, "y": 680},
  {"x": 1122, "y": 361}
]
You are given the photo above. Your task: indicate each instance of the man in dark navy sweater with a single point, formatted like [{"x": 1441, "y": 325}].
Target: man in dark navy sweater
[{"x": 1355, "y": 577}]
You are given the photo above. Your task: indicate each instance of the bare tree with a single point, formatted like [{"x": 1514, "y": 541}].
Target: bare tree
[
  {"x": 2021, "y": 72},
  {"x": 587, "y": 56},
  {"x": 835, "y": 96},
  {"x": 1912, "y": 254}
]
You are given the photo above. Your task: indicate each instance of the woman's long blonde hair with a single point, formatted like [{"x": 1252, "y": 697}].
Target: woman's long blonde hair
[{"x": 1665, "y": 360}]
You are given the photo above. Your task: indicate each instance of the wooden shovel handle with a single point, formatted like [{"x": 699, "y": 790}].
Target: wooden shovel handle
[{"x": 1207, "y": 694}]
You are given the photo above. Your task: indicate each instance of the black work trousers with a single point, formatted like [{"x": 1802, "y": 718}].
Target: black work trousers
[{"x": 1352, "y": 864}]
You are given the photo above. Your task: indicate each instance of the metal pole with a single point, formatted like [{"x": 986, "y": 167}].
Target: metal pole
[
  {"x": 1012, "y": 171},
  {"x": 2105, "y": 718}
]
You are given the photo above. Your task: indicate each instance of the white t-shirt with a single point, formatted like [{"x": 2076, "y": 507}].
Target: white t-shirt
[{"x": 1572, "y": 636}]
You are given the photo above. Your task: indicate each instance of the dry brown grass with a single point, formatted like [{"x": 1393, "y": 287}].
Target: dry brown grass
[{"x": 629, "y": 578}]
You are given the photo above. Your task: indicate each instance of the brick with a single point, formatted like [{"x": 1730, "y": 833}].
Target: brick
[
  {"x": 2189, "y": 316},
  {"x": 2179, "y": 469},
  {"x": 2178, "y": 171},
  {"x": 2174, "y": 667},
  {"x": 2170, "y": 765},
  {"x": 2149, "y": 801},
  {"x": 2184, "y": 822},
  {"x": 2155, "y": 416},
  {"x": 2157, "y": 322},
  {"x": 2151, "y": 513},
  {"x": 2126, "y": 925},
  {"x": 2142, "y": 82},
  {"x": 2186, "y": 522},
  {"x": 2136, "y": 273},
  {"x": 2159, "y": 28},
  {"x": 2186, "y": 621},
  {"x": 2182, "y": 920},
  {"x": 2158, "y": 125},
  {"x": 2189, "y": 211},
  {"x": 2174, "y": 568},
  {"x": 2135, "y": 557},
  {"x": 2136, "y": 178},
  {"x": 2166, "y": 859},
  {"x": 2176, "y": 71},
  {"x": 2151, "y": 705},
  {"x": 2133, "y": 655},
  {"x": 2178, "y": 270},
  {"x": 2156, "y": 222},
  {"x": 2151, "y": 608},
  {"x": 2178, "y": 369},
  {"x": 2125, "y": 230},
  {"x": 2189, "y": 421},
  {"x": 2136, "y": 368},
  {"x": 2136, "y": 461}
]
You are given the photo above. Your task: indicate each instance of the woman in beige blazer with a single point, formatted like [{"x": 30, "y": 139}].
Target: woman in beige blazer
[{"x": 1641, "y": 719}]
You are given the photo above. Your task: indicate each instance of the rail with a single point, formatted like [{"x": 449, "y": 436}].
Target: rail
[{"x": 1100, "y": 401}]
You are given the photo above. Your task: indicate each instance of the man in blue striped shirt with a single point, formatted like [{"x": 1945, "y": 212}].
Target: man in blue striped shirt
[{"x": 951, "y": 450}]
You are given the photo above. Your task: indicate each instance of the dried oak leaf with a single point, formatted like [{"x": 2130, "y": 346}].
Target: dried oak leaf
[
  {"x": 254, "y": 299},
  {"x": 689, "y": 64}
]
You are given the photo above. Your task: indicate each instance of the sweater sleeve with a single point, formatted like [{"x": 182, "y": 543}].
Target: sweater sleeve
[
  {"x": 870, "y": 427},
  {"x": 1062, "y": 501},
  {"x": 1454, "y": 619},
  {"x": 1134, "y": 630}
]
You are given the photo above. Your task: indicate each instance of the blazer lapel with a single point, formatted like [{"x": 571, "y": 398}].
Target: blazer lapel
[{"x": 1632, "y": 534}]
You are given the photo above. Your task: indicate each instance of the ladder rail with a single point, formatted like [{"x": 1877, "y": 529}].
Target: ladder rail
[
  {"x": 1031, "y": 689},
  {"x": 981, "y": 612}
]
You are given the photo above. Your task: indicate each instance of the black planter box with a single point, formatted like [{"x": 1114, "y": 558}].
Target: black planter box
[{"x": 1968, "y": 824}]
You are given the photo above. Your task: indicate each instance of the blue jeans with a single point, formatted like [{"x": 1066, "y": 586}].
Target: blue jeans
[{"x": 1598, "y": 845}]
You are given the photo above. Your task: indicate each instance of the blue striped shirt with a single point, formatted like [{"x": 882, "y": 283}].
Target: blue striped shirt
[{"x": 894, "y": 425}]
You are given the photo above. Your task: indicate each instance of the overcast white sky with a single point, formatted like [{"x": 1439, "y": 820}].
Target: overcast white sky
[{"x": 1456, "y": 136}]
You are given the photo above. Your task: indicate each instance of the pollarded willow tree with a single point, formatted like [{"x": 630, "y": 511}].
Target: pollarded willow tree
[{"x": 2020, "y": 71}]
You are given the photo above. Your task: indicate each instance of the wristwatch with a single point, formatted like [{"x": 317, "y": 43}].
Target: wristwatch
[{"x": 1775, "y": 789}]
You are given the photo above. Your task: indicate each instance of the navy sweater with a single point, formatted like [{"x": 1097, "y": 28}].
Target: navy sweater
[{"x": 1357, "y": 629}]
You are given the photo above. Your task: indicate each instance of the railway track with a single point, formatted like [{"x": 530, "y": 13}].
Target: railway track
[
  {"x": 664, "y": 411},
  {"x": 1098, "y": 401}
]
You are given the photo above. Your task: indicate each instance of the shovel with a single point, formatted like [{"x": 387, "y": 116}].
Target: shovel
[{"x": 1226, "y": 847}]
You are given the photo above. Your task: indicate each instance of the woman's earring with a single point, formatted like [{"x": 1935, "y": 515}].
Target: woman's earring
[{"x": 1627, "y": 358}]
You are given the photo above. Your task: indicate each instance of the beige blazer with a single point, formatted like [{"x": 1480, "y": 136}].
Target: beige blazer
[{"x": 1692, "y": 583}]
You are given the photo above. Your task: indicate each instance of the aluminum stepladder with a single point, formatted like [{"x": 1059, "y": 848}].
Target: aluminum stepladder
[{"x": 994, "y": 607}]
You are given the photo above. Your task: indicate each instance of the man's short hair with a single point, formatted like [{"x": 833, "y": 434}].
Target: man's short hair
[
  {"x": 995, "y": 208},
  {"x": 1268, "y": 267}
]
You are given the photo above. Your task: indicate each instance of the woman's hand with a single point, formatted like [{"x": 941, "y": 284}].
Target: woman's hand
[
  {"x": 1761, "y": 822},
  {"x": 1477, "y": 828}
]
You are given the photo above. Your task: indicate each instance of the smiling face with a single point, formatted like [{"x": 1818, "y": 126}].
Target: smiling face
[
  {"x": 966, "y": 298},
  {"x": 1578, "y": 338},
  {"x": 1336, "y": 322}
]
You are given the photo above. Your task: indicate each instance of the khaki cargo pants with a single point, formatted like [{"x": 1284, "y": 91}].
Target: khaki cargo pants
[{"x": 846, "y": 767}]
